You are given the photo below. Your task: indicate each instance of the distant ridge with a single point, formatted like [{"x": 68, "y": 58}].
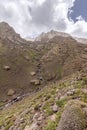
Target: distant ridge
[
  {"x": 49, "y": 35},
  {"x": 7, "y": 32}
]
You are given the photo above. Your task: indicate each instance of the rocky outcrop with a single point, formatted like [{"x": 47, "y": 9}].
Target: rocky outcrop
[
  {"x": 73, "y": 117},
  {"x": 7, "y": 32},
  {"x": 44, "y": 37}
]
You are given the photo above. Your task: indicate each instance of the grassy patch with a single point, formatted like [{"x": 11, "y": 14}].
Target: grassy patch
[
  {"x": 50, "y": 126},
  {"x": 61, "y": 102},
  {"x": 85, "y": 81}
]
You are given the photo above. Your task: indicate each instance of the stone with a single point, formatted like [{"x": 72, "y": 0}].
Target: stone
[
  {"x": 85, "y": 110},
  {"x": 53, "y": 117},
  {"x": 41, "y": 117},
  {"x": 84, "y": 56},
  {"x": 85, "y": 49},
  {"x": 55, "y": 108},
  {"x": 27, "y": 58},
  {"x": 11, "y": 92},
  {"x": 7, "y": 68},
  {"x": 84, "y": 90},
  {"x": 35, "y": 82},
  {"x": 33, "y": 73},
  {"x": 11, "y": 128},
  {"x": 34, "y": 126},
  {"x": 63, "y": 97},
  {"x": 35, "y": 117},
  {"x": 72, "y": 118},
  {"x": 71, "y": 92},
  {"x": 27, "y": 127},
  {"x": 2, "y": 128},
  {"x": 57, "y": 90}
]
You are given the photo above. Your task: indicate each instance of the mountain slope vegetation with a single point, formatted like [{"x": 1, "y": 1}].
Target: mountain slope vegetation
[{"x": 43, "y": 83}]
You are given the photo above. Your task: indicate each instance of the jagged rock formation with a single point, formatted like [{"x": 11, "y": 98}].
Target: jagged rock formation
[
  {"x": 7, "y": 32},
  {"x": 44, "y": 37}
]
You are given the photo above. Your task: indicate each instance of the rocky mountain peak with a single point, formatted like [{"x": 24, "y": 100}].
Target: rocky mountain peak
[
  {"x": 7, "y": 32},
  {"x": 49, "y": 35}
]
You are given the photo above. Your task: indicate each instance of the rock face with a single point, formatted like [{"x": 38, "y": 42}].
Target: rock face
[
  {"x": 7, "y": 32},
  {"x": 73, "y": 117},
  {"x": 49, "y": 35}
]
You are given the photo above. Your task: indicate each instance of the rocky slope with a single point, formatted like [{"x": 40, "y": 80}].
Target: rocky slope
[
  {"x": 17, "y": 61},
  {"x": 44, "y": 37},
  {"x": 7, "y": 32},
  {"x": 81, "y": 40},
  {"x": 28, "y": 66},
  {"x": 59, "y": 106},
  {"x": 43, "y": 84}
]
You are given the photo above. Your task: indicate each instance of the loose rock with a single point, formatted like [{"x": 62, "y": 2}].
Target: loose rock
[
  {"x": 7, "y": 68},
  {"x": 11, "y": 92},
  {"x": 55, "y": 108},
  {"x": 35, "y": 82}
]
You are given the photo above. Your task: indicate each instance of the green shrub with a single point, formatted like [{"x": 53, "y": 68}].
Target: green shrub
[{"x": 61, "y": 102}]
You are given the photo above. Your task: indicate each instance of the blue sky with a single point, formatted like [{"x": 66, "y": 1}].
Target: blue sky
[
  {"x": 29, "y": 18},
  {"x": 79, "y": 9}
]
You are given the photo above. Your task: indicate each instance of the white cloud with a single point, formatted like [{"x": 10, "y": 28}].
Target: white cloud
[{"x": 31, "y": 17}]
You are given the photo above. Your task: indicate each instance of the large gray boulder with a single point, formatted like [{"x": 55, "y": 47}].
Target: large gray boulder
[{"x": 73, "y": 117}]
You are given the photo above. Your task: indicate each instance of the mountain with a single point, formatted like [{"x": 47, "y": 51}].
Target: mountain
[
  {"x": 81, "y": 40},
  {"x": 7, "y": 32},
  {"x": 27, "y": 67},
  {"x": 17, "y": 61},
  {"x": 43, "y": 83},
  {"x": 49, "y": 35}
]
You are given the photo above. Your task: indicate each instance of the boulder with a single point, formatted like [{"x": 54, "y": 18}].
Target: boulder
[
  {"x": 27, "y": 58},
  {"x": 53, "y": 117},
  {"x": 71, "y": 92},
  {"x": 85, "y": 110},
  {"x": 7, "y": 68},
  {"x": 33, "y": 73},
  {"x": 11, "y": 92},
  {"x": 85, "y": 49},
  {"x": 35, "y": 82},
  {"x": 84, "y": 90},
  {"x": 73, "y": 117},
  {"x": 55, "y": 108},
  {"x": 34, "y": 126}
]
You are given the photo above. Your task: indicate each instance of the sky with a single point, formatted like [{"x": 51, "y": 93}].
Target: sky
[{"x": 29, "y": 18}]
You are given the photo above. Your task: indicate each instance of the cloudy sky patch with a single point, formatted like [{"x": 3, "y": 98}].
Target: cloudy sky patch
[{"x": 32, "y": 17}]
